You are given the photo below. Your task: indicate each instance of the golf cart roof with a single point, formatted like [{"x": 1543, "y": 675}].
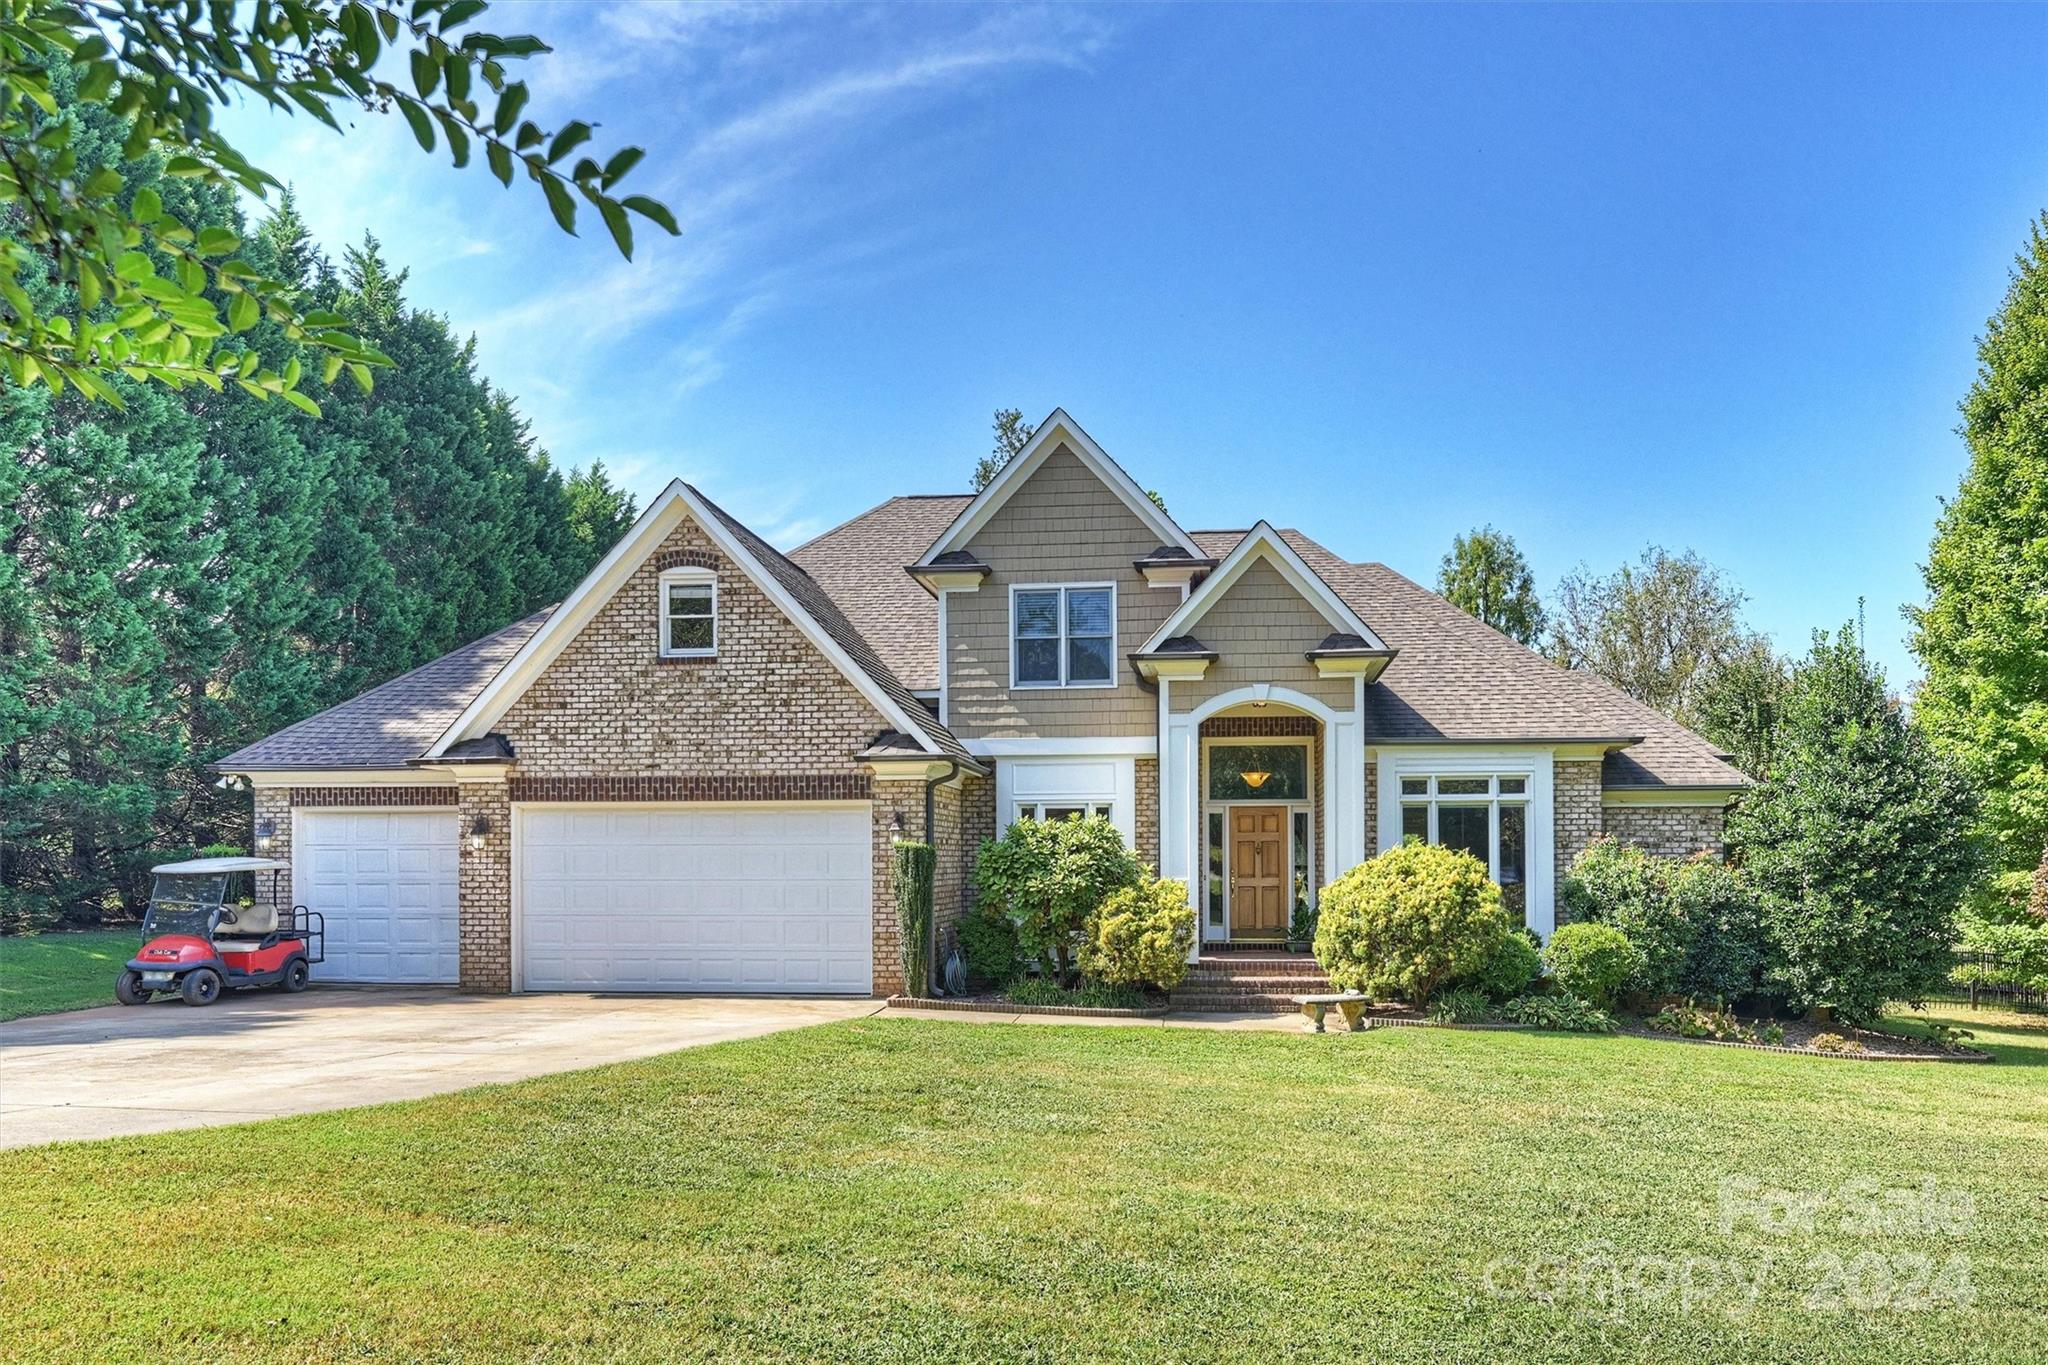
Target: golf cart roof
[{"x": 203, "y": 866}]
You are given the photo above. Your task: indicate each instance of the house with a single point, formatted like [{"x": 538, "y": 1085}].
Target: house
[{"x": 689, "y": 774}]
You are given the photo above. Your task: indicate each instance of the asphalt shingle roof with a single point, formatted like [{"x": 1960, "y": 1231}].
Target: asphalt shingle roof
[
  {"x": 395, "y": 721},
  {"x": 861, "y": 565}
]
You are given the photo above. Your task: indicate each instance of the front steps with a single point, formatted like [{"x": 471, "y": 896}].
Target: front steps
[{"x": 1248, "y": 981}]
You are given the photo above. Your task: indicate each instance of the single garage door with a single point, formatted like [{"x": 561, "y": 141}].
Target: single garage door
[
  {"x": 695, "y": 898},
  {"x": 385, "y": 880}
]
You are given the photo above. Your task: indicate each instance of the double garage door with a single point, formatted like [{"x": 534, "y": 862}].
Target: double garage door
[
  {"x": 695, "y": 898},
  {"x": 724, "y": 899}
]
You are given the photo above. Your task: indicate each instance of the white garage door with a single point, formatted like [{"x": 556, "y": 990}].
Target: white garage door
[
  {"x": 695, "y": 898},
  {"x": 385, "y": 880}
]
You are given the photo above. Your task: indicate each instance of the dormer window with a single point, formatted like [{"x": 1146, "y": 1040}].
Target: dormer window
[
  {"x": 1063, "y": 636},
  {"x": 689, "y": 614}
]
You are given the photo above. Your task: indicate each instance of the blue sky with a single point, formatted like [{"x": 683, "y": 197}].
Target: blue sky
[{"x": 1603, "y": 277}]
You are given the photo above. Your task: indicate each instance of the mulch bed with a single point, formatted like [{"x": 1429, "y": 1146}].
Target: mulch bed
[{"x": 1799, "y": 1036}]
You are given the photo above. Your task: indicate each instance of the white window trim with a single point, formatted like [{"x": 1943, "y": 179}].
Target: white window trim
[
  {"x": 1063, "y": 685},
  {"x": 1086, "y": 805},
  {"x": 1460, "y": 761},
  {"x": 1082, "y": 779},
  {"x": 688, "y": 575}
]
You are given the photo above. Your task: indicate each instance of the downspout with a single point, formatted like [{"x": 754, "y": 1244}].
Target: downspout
[{"x": 931, "y": 787}]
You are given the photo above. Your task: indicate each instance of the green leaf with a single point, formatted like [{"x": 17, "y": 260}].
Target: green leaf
[
  {"x": 625, "y": 159},
  {"x": 529, "y": 137},
  {"x": 654, "y": 211},
  {"x": 622, "y": 227},
  {"x": 97, "y": 81},
  {"x": 301, "y": 402},
  {"x": 509, "y": 105},
  {"x": 361, "y": 374},
  {"x": 243, "y": 312},
  {"x": 216, "y": 241},
  {"x": 457, "y": 67},
  {"x": 426, "y": 74},
  {"x": 558, "y": 200},
  {"x": 330, "y": 366},
  {"x": 422, "y": 126},
  {"x": 460, "y": 13},
  {"x": 133, "y": 265},
  {"x": 187, "y": 166},
  {"x": 500, "y": 158},
  {"x": 574, "y": 135},
  {"x": 458, "y": 141},
  {"x": 148, "y": 206}
]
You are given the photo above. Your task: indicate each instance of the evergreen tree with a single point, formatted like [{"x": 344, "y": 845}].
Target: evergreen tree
[
  {"x": 1485, "y": 576},
  {"x": 599, "y": 512},
  {"x": 1012, "y": 434},
  {"x": 1855, "y": 840},
  {"x": 1983, "y": 635}
]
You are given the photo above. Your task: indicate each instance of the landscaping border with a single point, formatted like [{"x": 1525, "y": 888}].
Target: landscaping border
[
  {"x": 1965, "y": 1055},
  {"x": 918, "y": 1002}
]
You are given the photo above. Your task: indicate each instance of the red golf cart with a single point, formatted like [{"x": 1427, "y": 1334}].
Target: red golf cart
[{"x": 206, "y": 932}]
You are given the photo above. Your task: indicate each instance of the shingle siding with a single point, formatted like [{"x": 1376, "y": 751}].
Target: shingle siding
[
  {"x": 1063, "y": 525},
  {"x": 1261, "y": 630}
]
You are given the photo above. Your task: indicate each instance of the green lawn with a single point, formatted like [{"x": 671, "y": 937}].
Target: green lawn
[
  {"x": 44, "y": 973},
  {"x": 912, "y": 1190}
]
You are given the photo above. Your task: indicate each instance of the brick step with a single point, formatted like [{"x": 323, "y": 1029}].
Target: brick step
[
  {"x": 1293, "y": 963},
  {"x": 1258, "y": 985},
  {"x": 1218, "y": 1002}
]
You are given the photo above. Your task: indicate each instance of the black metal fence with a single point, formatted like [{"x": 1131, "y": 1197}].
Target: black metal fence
[{"x": 1989, "y": 978}]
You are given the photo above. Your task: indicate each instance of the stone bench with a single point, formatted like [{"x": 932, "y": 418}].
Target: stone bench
[{"x": 1350, "y": 1004}]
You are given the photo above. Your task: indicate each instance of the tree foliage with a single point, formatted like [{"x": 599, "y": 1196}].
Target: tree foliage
[
  {"x": 143, "y": 289},
  {"x": 1012, "y": 434},
  {"x": 1652, "y": 628},
  {"x": 1738, "y": 700},
  {"x": 1486, "y": 576},
  {"x": 1140, "y": 936},
  {"x": 1857, "y": 841},
  {"x": 195, "y": 569},
  {"x": 1983, "y": 635}
]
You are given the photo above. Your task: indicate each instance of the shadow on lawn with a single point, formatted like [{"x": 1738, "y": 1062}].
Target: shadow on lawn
[{"x": 2013, "y": 1038}]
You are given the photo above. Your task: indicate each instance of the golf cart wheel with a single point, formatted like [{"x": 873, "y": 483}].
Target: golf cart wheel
[
  {"x": 295, "y": 974},
  {"x": 200, "y": 987},
  {"x": 128, "y": 989}
]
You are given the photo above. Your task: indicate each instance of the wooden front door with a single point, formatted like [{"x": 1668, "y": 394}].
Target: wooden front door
[{"x": 1258, "y": 872}]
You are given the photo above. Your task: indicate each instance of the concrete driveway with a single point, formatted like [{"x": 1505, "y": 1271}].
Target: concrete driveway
[{"x": 113, "y": 1071}]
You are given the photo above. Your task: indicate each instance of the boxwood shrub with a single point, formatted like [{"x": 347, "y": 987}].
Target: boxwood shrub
[{"x": 1405, "y": 923}]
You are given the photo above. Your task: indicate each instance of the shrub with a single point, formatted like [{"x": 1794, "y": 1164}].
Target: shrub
[
  {"x": 1730, "y": 949},
  {"x": 1592, "y": 961},
  {"x": 989, "y": 943},
  {"x": 1140, "y": 936},
  {"x": 1048, "y": 876},
  {"x": 1302, "y": 927},
  {"x": 1695, "y": 1021},
  {"x": 1559, "y": 1013},
  {"x": 1857, "y": 840},
  {"x": 914, "y": 865},
  {"x": 2021, "y": 951},
  {"x": 1464, "y": 1005},
  {"x": 1507, "y": 974},
  {"x": 1094, "y": 995},
  {"x": 1833, "y": 1042},
  {"x": 1404, "y": 923},
  {"x": 1618, "y": 884}
]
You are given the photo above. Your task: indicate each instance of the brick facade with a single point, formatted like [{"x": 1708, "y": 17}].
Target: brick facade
[
  {"x": 1145, "y": 820},
  {"x": 767, "y": 703},
  {"x": 484, "y": 888},
  {"x": 1668, "y": 831},
  {"x": 359, "y": 798},
  {"x": 755, "y": 787},
  {"x": 273, "y": 806},
  {"x": 893, "y": 800},
  {"x": 1575, "y": 794}
]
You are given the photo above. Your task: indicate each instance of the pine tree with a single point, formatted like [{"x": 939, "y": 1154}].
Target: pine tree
[
  {"x": 1485, "y": 576},
  {"x": 1983, "y": 635}
]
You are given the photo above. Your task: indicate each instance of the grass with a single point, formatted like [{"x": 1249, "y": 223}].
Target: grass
[
  {"x": 45, "y": 973},
  {"x": 907, "y": 1190}
]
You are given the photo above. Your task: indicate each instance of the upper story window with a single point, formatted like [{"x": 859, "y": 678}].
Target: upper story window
[
  {"x": 689, "y": 614},
  {"x": 1063, "y": 636}
]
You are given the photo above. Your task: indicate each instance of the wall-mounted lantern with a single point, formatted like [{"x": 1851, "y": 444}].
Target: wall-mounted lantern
[
  {"x": 266, "y": 835},
  {"x": 479, "y": 830}
]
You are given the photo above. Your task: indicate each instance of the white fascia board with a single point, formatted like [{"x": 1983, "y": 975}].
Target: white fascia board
[
  {"x": 612, "y": 572},
  {"x": 1680, "y": 796},
  {"x": 1133, "y": 746},
  {"x": 1263, "y": 542},
  {"x": 1058, "y": 427}
]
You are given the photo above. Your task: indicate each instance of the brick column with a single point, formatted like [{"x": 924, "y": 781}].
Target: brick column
[
  {"x": 275, "y": 805},
  {"x": 484, "y": 889},
  {"x": 1575, "y": 799},
  {"x": 893, "y": 797},
  {"x": 1145, "y": 820}
]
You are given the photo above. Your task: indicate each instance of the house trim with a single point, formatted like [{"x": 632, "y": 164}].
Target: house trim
[
  {"x": 1135, "y": 746},
  {"x": 1057, "y": 429},
  {"x": 686, "y": 574},
  {"x": 1536, "y": 763}
]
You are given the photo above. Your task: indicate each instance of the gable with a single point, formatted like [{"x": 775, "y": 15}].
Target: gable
[
  {"x": 1264, "y": 547},
  {"x": 805, "y": 607},
  {"x": 1064, "y": 513},
  {"x": 1058, "y": 434}
]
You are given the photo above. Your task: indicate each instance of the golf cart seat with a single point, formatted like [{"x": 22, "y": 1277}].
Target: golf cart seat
[{"x": 244, "y": 927}]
